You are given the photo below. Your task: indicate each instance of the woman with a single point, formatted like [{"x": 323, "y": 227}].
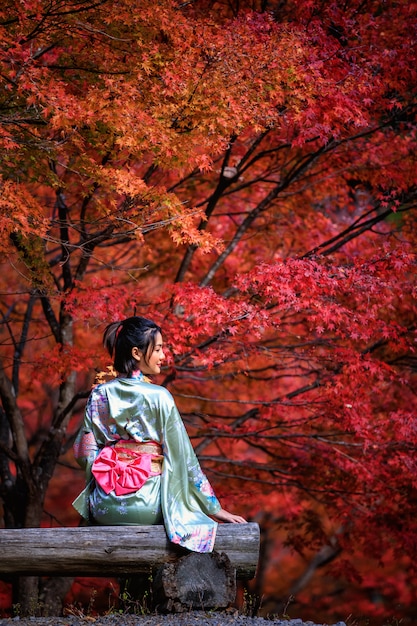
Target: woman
[{"x": 139, "y": 462}]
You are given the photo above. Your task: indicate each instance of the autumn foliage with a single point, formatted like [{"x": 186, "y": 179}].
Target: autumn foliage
[{"x": 245, "y": 174}]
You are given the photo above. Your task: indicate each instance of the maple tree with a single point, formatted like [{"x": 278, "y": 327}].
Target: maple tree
[{"x": 244, "y": 174}]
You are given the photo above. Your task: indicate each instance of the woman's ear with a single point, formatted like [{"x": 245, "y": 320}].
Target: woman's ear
[{"x": 137, "y": 354}]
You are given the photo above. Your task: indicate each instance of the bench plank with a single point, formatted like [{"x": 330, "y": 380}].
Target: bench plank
[{"x": 114, "y": 550}]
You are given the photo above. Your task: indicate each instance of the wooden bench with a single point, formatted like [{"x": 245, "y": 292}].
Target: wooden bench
[{"x": 123, "y": 551}]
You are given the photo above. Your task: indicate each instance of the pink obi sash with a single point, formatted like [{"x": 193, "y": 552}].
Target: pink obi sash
[{"x": 126, "y": 466}]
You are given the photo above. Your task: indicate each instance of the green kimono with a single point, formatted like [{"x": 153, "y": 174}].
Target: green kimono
[{"x": 180, "y": 497}]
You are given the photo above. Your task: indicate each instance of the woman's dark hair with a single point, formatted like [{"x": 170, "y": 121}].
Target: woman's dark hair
[{"x": 120, "y": 337}]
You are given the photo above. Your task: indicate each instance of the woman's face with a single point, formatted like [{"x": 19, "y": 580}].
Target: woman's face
[{"x": 154, "y": 358}]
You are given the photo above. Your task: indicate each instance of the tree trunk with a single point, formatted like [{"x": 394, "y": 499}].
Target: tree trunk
[
  {"x": 25, "y": 589},
  {"x": 25, "y": 595}
]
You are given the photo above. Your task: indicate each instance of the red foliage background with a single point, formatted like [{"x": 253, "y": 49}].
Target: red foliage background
[{"x": 244, "y": 174}]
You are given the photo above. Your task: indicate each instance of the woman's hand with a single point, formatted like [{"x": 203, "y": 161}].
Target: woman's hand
[{"x": 225, "y": 516}]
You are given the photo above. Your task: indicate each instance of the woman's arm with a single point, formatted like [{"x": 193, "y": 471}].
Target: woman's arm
[{"x": 225, "y": 516}]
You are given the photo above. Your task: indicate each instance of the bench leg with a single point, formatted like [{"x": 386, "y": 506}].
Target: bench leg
[{"x": 195, "y": 582}]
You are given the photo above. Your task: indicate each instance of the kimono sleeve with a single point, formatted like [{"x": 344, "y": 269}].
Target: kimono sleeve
[
  {"x": 85, "y": 451},
  {"x": 85, "y": 445},
  {"x": 187, "y": 497}
]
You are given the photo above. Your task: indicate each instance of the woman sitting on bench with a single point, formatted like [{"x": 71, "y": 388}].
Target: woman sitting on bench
[{"x": 139, "y": 462}]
